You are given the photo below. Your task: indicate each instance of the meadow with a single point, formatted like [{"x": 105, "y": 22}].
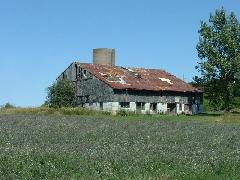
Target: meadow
[{"x": 51, "y": 144}]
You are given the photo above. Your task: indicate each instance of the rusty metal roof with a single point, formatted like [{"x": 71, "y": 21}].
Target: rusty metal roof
[{"x": 138, "y": 78}]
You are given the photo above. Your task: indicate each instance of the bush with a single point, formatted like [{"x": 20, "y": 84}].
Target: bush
[
  {"x": 61, "y": 94},
  {"x": 125, "y": 113},
  {"x": 237, "y": 102},
  {"x": 8, "y": 106},
  {"x": 235, "y": 111}
]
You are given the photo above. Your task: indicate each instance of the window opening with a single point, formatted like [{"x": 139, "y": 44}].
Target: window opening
[
  {"x": 101, "y": 105},
  {"x": 153, "y": 106},
  {"x": 140, "y": 105},
  {"x": 125, "y": 104}
]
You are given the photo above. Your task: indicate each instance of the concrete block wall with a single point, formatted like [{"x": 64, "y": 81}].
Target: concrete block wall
[
  {"x": 93, "y": 106},
  {"x": 114, "y": 107},
  {"x": 162, "y": 108},
  {"x": 147, "y": 108},
  {"x": 86, "y": 105},
  {"x": 133, "y": 107},
  {"x": 107, "y": 106},
  {"x": 180, "y": 111}
]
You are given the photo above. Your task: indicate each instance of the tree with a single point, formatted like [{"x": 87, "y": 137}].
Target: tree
[
  {"x": 61, "y": 94},
  {"x": 8, "y": 105},
  {"x": 219, "y": 51}
]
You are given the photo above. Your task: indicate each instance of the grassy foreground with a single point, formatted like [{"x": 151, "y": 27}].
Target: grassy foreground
[{"x": 34, "y": 145}]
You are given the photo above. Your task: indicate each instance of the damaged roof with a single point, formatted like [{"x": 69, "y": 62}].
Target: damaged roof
[{"x": 138, "y": 78}]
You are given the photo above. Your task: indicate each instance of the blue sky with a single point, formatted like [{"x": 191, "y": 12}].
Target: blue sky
[{"x": 40, "y": 38}]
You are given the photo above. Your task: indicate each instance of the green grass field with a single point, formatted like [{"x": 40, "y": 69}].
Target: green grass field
[{"x": 57, "y": 146}]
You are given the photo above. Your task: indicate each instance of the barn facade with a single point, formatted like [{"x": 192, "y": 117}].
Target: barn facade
[{"x": 104, "y": 86}]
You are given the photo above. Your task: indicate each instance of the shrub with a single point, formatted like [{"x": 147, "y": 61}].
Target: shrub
[
  {"x": 237, "y": 102},
  {"x": 61, "y": 94},
  {"x": 8, "y": 106},
  {"x": 123, "y": 112},
  {"x": 235, "y": 111}
]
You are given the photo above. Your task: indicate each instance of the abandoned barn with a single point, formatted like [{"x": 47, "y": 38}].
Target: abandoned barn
[{"x": 104, "y": 86}]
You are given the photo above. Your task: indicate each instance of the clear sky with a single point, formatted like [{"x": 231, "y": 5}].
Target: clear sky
[{"x": 40, "y": 38}]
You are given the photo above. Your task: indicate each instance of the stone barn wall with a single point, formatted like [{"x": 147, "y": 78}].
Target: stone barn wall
[{"x": 95, "y": 94}]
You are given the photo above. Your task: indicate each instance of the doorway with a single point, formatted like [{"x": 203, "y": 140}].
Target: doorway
[{"x": 172, "y": 108}]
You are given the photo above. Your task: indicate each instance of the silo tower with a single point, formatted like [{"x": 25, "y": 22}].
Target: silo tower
[{"x": 104, "y": 56}]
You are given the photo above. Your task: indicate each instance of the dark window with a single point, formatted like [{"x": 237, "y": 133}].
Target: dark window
[
  {"x": 201, "y": 99},
  {"x": 125, "y": 104},
  {"x": 87, "y": 98},
  {"x": 76, "y": 71},
  {"x": 84, "y": 72},
  {"x": 153, "y": 106},
  {"x": 140, "y": 105},
  {"x": 81, "y": 73},
  {"x": 171, "y": 108},
  {"x": 186, "y": 107},
  {"x": 101, "y": 105},
  {"x": 180, "y": 107}
]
